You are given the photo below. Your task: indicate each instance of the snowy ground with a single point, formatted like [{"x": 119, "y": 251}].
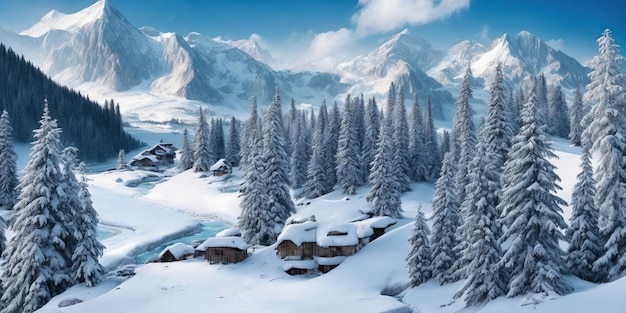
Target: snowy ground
[{"x": 139, "y": 219}]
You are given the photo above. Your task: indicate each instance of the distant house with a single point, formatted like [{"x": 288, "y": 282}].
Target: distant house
[
  {"x": 176, "y": 252},
  {"x": 373, "y": 227},
  {"x": 224, "y": 250},
  {"x": 162, "y": 153},
  {"x": 221, "y": 167},
  {"x": 229, "y": 232},
  {"x": 337, "y": 240},
  {"x": 297, "y": 241}
]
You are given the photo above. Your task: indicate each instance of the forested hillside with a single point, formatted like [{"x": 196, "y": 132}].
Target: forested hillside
[{"x": 94, "y": 129}]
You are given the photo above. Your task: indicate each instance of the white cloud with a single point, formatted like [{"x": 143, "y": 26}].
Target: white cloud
[
  {"x": 379, "y": 16},
  {"x": 557, "y": 44},
  {"x": 484, "y": 34},
  {"x": 326, "y": 49}
]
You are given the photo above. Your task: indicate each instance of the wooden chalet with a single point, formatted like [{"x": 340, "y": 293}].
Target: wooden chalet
[
  {"x": 162, "y": 153},
  {"x": 221, "y": 167},
  {"x": 326, "y": 264},
  {"x": 176, "y": 252},
  {"x": 337, "y": 240},
  {"x": 224, "y": 250},
  {"x": 373, "y": 227},
  {"x": 297, "y": 241}
]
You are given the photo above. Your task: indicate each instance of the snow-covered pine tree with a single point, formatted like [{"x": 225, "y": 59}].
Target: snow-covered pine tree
[
  {"x": 432, "y": 158},
  {"x": 250, "y": 136},
  {"x": 36, "y": 269},
  {"x": 416, "y": 143},
  {"x": 531, "y": 212},
  {"x": 300, "y": 153},
  {"x": 85, "y": 265},
  {"x": 385, "y": 191},
  {"x": 446, "y": 144},
  {"x": 291, "y": 124},
  {"x": 400, "y": 143},
  {"x": 348, "y": 157},
  {"x": 276, "y": 165},
  {"x": 577, "y": 112},
  {"x": 8, "y": 167},
  {"x": 316, "y": 182},
  {"x": 606, "y": 135},
  {"x": 359, "y": 122},
  {"x": 372, "y": 127},
  {"x": 585, "y": 243},
  {"x": 541, "y": 92},
  {"x": 479, "y": 248},
  {"x": 419, "y": 260},
  {"x": 203, "y": 154},
  {"x": 217, "y": 141},
  {"x": 463, "y": 134},
  {"x": 233, "y": 147},
  {"x": 558, "y": 112},
  {"x": 331, "y": 144},
  {"x": 446, "y": 220},
  {"x": 68, "y": 202},
  {"x": 391, "y": 100},
  {"x": 121, "y": 160},
  {"x": 186, "y": 153}
]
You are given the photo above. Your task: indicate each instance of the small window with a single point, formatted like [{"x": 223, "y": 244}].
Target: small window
[{"x": 219, "y": 252}]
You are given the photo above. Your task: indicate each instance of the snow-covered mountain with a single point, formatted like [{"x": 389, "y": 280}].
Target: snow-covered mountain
[
  {"x": 250, "y": 46},
  {"x": 522, "y": 56},
  {"x": 98, "y": 45},
  {"x": 402, "y": 60}
]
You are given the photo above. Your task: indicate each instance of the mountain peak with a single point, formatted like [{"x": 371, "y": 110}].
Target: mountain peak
[{"x": 55, "y": 20}]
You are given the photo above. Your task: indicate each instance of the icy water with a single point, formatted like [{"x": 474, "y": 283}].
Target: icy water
[
  {"x": 209, "y": 229},
  {"x": 104, "y": 232}
]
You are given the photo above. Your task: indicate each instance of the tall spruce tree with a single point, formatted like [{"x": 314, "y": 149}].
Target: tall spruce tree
[
  {"x": 606, "y": 135},
  {"x": 432, "y": 158},
  {"x": 36, "y": 268},
  {"x": 559, "y": 121},
  {"x": 186, "y": 153},
  {"x": 385, "y": 191},
  {"x": 121, "y": 160},
  {"x": 233, "y": 146},
  {"x": 85, "y": 265},
  {"x": 300, "y": 154},
  {"x": 531, "y": 212},
  {"x": 202, "y": 150},
  {"x": 348, "y": 157},
  {"x": 372, "y": 127},
  {"x": 8, "y": 167},
  {"x": 463, "y": 134},
  {"x": 585, "y": 243},
  {"x": 276, "y": 165},
  {"x": 419, "y": 260},
  {"x": 417, "y": 164},
  {"x": 250, "y": 136},
  {"x": 446, "y": 220},
  {"x": 541, "y": 92},
  {"x": 331, "y": 144},
  {"x": 316, "y": 182},
  {"x": 577, "y": 112},
  {"x": 400, "y": 140}
]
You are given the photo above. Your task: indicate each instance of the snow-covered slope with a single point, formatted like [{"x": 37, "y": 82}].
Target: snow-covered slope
[
  {"x": 522, "y": 56},
  {"x": 402, "y": 60}
]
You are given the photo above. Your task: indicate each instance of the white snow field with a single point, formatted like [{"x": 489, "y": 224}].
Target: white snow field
[{"x": 372, "y": 280}]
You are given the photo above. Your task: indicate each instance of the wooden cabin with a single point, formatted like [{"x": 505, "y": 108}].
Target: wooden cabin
[
  {"x": 337, "y": 240},
  {"x": 326, "y": 264},
  {"x": 297, "y": 241},
  {"x": 221, "y": 167},
  {"x": 224, "y": 250},
  {"x": 299, "y": 267},
  {"x": 142, "y": 160},
  {"x": 176, "y": 252},
  {"x": 162, "y": 153},
  {"x": 368, "y": 229}
]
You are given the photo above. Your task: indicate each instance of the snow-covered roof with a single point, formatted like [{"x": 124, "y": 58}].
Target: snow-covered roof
[
  {"x": 221, "y": 163},
  {"x": 223, "y": 242},
  {"x": 365, "y": 228},
  {"x": 295, "y": 219},
  {"x": 299, "y": 233},
  {"x": 229, "y": 232},
  {"x": 178, "y": 250},
  {"x": 336, "y": 260},
  {"x": 301, "y": 264},
  {"x": 148, "y": 156},
  {"x": 341, "y": 235}
]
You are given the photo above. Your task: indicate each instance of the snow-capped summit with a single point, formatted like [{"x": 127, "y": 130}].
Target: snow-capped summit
[
  {"x": 251, "y": 46},
  {"x": 55, "y": 20},
  {"x": 452, "y": 67}
]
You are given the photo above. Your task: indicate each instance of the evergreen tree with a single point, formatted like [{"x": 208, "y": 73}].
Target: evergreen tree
[
  {"x": 385, "y": 191},
  {"x": 541, "y": 92},
  {"x": 121, "y": 160},
  {"x": 300, "y": 154},
  {"x": 606, "y": 135},
  {"x": 316, "y": 182},
  {"x": 446, "y": 144},
  {"x": 85, "y": 265},
  {"x": 36, "y": 268},
  {"x": 276, "y": 165},
  {"x": 348, "y": 157},
  {"x": 585, "y": 243},
  {"x": 400, "y": 139},
  {"x": 559, "y": 122},
  {"x": 419, "y": 260},
  {"x": 233, "y": 148},
  {"x": 463, "y": 134},
  {"x": 186, "y": 153},
  {"x": 8, "y": 168},
  {"x": 250, "y": 136},
  {"x": 331, "y": 144},
  {"x": 69, "y": 202},
  {"x": 203, "y": 154},
  {"x": 479, "y": 248},
  {"x": 577, "y": 113},
  {"x": 531, "y": 212},
  {"x": 417, "y": 166},
  {"x": 372, "y": 127},
  {"x": 446, "y": 220},
  {"x": 432, "y": 158}
]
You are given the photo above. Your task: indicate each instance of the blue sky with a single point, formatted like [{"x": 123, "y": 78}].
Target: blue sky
[{"x": 333, "y": 28}]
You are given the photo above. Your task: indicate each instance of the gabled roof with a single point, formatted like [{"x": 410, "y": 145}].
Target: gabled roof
[
  {"x": 221, "y": 163},
  {"x": 223, "y": 242},
  {"x": 337, "y": 235},
  {"x": 229, "y": 232},
  {"x": 178, "y": 250},
  {"x": 366, "y": 227},
  {"x": 299, "y": 233}
]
